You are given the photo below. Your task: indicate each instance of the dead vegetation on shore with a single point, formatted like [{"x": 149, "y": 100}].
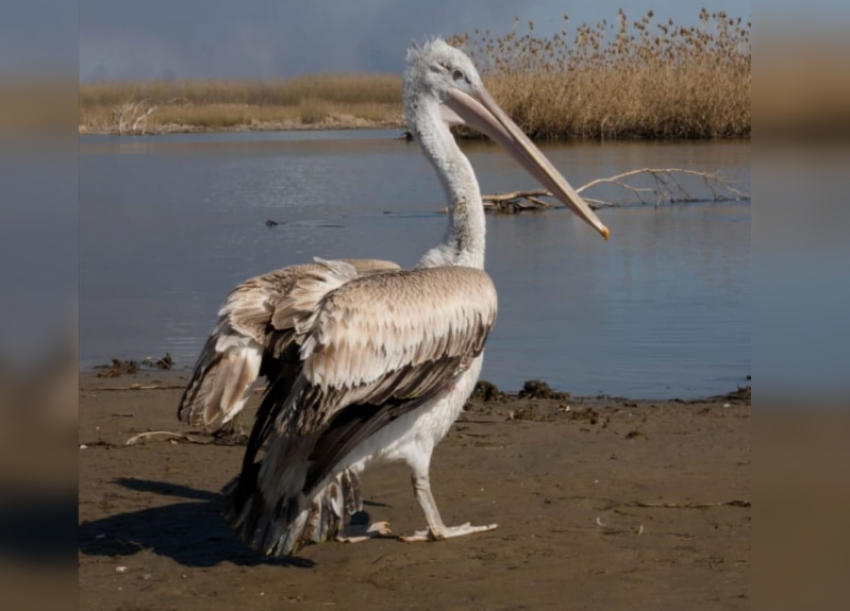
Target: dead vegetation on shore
[
  {"x": 641, "y": 79},
  {"x": 328, "y": 100}
]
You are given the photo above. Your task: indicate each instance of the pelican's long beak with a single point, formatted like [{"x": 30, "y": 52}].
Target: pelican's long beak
[{"x": 480, "y": 111}]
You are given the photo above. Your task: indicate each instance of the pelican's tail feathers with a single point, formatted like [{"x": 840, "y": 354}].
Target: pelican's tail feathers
[{"x": 273, "y": 515}]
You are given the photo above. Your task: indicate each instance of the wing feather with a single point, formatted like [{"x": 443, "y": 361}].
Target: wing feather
[
  {"x": 256, "y": 324},
  {"x": 382, "y": 323},
  {"x": 376, "y": 348}
]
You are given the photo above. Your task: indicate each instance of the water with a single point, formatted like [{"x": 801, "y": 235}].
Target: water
[{"x": 168, "y": 225}]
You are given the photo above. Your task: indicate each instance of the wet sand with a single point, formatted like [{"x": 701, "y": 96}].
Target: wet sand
[{"x": 602, "y": 504}]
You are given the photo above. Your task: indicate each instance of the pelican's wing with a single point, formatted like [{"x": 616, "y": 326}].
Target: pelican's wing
[
  {"x": 377, "y": 348},
  {"x": 253, "y": 337}
]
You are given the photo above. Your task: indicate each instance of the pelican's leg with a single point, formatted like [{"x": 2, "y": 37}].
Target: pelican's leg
[
  {"x": 436, "y": 529},
  {"x": 355, "y": 533}
]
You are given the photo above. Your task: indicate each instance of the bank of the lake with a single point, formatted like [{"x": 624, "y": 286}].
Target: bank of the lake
[{"x": 653, "y": 496}]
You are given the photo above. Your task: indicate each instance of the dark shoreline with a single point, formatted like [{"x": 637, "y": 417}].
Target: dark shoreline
[{"x": 485, "y": 391}]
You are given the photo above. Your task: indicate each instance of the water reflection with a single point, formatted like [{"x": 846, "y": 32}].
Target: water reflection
[{"x": 169, "y": 225}]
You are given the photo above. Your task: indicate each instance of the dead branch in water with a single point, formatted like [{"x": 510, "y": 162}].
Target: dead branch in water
[{"x": 667, "y": 188}]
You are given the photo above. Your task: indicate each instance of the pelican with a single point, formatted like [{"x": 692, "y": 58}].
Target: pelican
[{"x": 378, "y": 361}]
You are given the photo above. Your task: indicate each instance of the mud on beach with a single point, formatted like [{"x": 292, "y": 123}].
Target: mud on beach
[{"x": 601, "y": 504}]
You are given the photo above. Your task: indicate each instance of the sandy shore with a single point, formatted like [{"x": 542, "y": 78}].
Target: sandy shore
[{"x": 602, "y": 504}]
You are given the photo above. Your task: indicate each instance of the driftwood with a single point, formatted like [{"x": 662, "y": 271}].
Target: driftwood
[
  {"x": 132, "y": 117},
  {"x": 666, "y": 188},
  {"x": 170, "y": 435},
  {"x": 610, "y": 530}
]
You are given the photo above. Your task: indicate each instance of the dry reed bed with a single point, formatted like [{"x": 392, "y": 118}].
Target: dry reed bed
[
  {"x": 638, "y": 79},
  {"x": 332, "y": 99},
  {"x": 641, "y": 79}
]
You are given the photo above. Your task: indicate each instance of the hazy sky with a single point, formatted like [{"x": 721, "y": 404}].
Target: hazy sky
[{"x": 122, "y": 39}]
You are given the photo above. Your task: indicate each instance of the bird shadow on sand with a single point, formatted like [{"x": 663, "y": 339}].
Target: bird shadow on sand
[{"x": 192, "y": 533}]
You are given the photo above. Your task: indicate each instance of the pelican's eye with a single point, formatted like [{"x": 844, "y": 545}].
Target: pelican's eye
[{"x": 457, "y": 75}]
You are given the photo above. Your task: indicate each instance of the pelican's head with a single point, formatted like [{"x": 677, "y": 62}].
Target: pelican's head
[
  {"x": 439, "y": 73},
  {"x": 434, "y": 69}
]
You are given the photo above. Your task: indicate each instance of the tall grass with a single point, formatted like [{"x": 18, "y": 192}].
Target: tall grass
[
  {"x": 628, "y": 79},
  {"x": 336, "y": 88},
  {"x": 347, "y": 100},
  {"x": 638, "y": 79}
]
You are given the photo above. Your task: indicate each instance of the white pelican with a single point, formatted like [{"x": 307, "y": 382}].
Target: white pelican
[{"x": 379, "y": 364}]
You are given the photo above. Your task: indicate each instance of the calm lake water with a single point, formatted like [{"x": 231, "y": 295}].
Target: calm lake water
[{"x": 169, "y": 224}]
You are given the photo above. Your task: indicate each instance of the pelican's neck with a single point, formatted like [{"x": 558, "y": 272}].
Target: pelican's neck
[{"x": 464, "y": 242}]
